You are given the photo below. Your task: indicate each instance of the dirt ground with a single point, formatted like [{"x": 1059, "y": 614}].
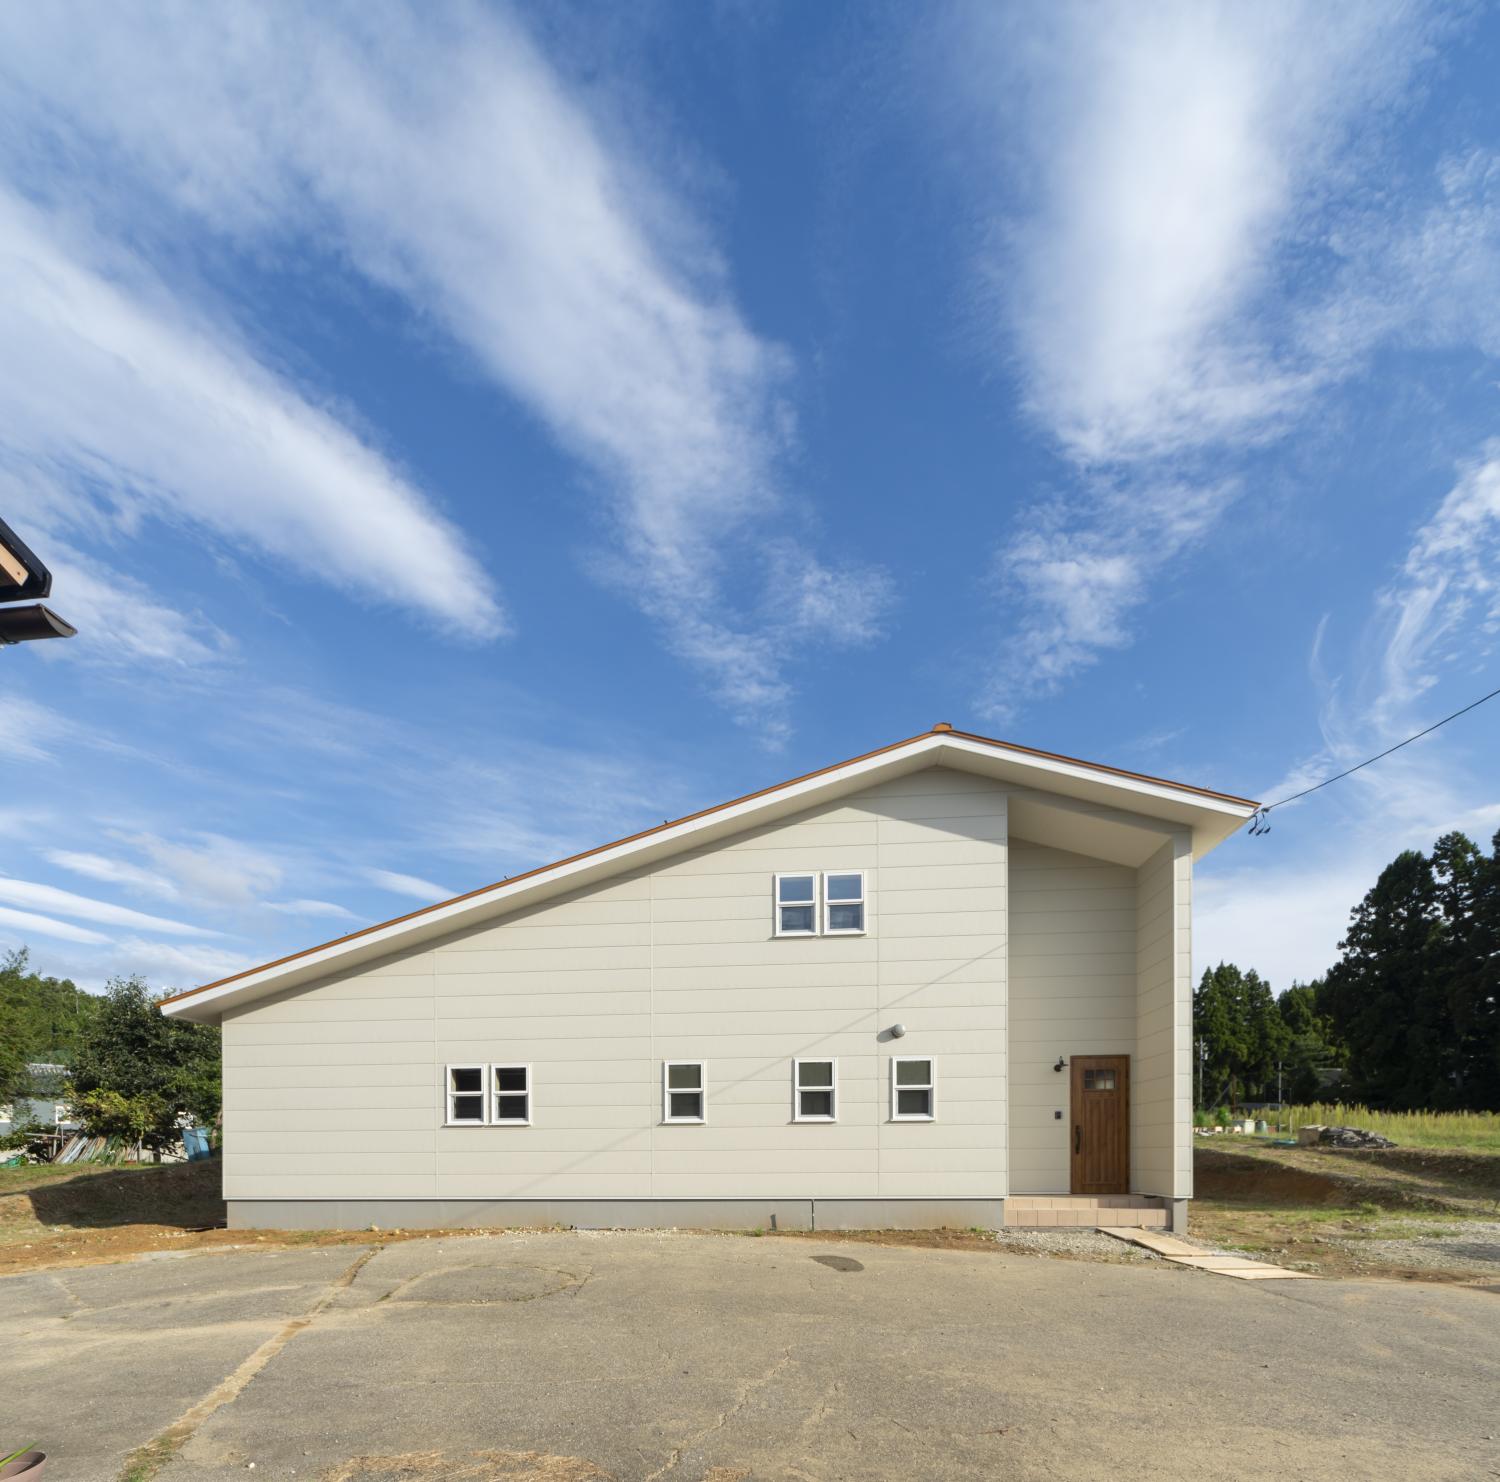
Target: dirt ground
[{"x": 1402, "y": 1214}]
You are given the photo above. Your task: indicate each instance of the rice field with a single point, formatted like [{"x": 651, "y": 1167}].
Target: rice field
[{"x": 1479, "y": 1131}]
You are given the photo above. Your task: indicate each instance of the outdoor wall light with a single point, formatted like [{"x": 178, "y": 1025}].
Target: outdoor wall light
[
  {"x": 1060, "y": 1064},
  {"x": 898, "y": 1031}
]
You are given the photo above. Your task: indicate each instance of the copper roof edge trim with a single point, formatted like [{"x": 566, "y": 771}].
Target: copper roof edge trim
[{"x": 557, "y": 864}]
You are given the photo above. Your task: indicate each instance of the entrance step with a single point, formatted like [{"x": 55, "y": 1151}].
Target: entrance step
[{"x": 1086, "y": 1211}]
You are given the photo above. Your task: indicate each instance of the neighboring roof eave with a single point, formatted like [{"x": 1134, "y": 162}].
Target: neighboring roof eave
[{"x": 1186, "y": 806}]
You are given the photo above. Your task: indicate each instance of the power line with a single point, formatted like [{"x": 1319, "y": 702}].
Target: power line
[{"x": 1258, "y": 819}]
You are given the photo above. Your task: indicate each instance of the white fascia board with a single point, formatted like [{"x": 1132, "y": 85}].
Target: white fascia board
[{"x": 995, "y": 760}]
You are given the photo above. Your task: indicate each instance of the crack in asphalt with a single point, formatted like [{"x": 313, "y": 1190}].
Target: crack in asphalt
[
  {"x": 741, "y": 1399},
  {"x": 143, "y": 1463}
]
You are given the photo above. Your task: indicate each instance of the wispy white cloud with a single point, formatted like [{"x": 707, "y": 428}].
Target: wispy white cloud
[
  {"x": 18, "y": 926},
  {"x": 411, "y": 886},
  {"x": 1424, "y": 650},
  {"x": 170, "y": 966},
  {"x": 1443, "y": 610},
  {"x": 311, "y": 909},
  {"x": 85, "y": 908},
  {"x": 112, "y": 871},
  {"x": 1174, "y": 150},
  {"x": 120, "y": 621},
  {"x": 28, "y": 729},
  {"x": 119, "y": 394},
  {"x": 518, "y": 211},
  {"x": 212, "y": 868},
  {"x": 1181, "y": 258},
  {"x": 1077, "y": 570}
]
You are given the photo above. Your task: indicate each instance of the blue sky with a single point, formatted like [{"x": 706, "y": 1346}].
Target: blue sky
[{"x": 466, "y": 434}]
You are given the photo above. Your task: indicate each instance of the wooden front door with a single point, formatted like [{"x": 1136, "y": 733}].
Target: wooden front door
[{"x": 1101, "y": 1124}]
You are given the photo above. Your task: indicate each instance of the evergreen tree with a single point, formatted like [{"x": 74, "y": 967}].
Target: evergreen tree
[
  {"x": 1241, "y": 1032},
  {"x": 1468, "y": 896},
  {"x": 1310, "y": 1047},
  {"x": 1386, "y": 995}
]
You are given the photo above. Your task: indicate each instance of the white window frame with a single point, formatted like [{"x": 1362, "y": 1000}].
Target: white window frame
[
  {"x": 449, "y": 1120},
  {"x": 667, "y": 1067},
  {"x": 863, "y": 903},
  {"x": 493, "y": 1104},
  {"x": 798, "y": 1088},
  {"x": 815, "y": 903},
  {"x": 930, "y": 1087}
]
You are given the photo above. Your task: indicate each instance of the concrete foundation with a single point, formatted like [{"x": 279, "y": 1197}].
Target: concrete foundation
[{"x": 617, "y": 1214}]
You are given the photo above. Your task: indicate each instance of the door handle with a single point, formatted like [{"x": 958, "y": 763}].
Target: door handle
[{"x": 1077, "y": 1137}]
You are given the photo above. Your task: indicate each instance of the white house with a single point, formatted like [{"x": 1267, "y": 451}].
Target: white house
[{"x": 942, "y": 982}]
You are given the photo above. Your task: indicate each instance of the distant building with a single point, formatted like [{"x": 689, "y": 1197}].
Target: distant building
[{"x": 46, "y": 1105}]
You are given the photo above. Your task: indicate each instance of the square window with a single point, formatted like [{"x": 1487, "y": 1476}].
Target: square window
[
  {"x": 913, "y": 1089},
  {"x": 796, "y": 905},
  {"x": 814, "y": 1090},
  {"x": 512, "y": 1094},
  {"x": 844, "y": 902},
  {"x": 684, "y": 1090},
  {"x": 1098, "y": 1080},
  {"x": 464, "y": 1095}
]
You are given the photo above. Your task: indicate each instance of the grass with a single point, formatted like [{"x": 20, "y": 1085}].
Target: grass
[{"x": 1473, "y": 1131}]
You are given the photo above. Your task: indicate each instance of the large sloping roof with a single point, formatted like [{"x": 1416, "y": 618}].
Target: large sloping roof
[{"x": 1210, "y": 817}]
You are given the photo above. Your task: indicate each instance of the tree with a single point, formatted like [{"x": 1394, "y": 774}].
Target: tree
[
  {"x": 1310, "y": 1048},
  {"x": 1235, "y": 1020},
  {"x": 40, "y": 1016},
  {"x": 1385, "y": 994},
  {"x": 1468, "y": 899},
  {"x": 15, "y": 1077},
  {"x": 136, "y": 1072}
]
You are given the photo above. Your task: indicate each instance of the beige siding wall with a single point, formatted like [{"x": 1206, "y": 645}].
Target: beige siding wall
[
  {"x": 335, "y": 1090},
  {"x": 1161, "y": 1094},
  {"x": 1072, "y": 992}
]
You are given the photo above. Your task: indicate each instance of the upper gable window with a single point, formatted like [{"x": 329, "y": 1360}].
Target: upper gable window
[
  {"x": 844, "y": 902},
  {"x": 796, "y": 905}
]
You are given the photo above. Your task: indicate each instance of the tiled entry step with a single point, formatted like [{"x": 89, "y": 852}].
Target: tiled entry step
[{"x": 1104, "y": 1211}]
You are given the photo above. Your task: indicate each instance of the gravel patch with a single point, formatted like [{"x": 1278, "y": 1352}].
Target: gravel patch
[
  {"x": 1085, "y": 1244},
  {"x": 1471, "y": 1245}
]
